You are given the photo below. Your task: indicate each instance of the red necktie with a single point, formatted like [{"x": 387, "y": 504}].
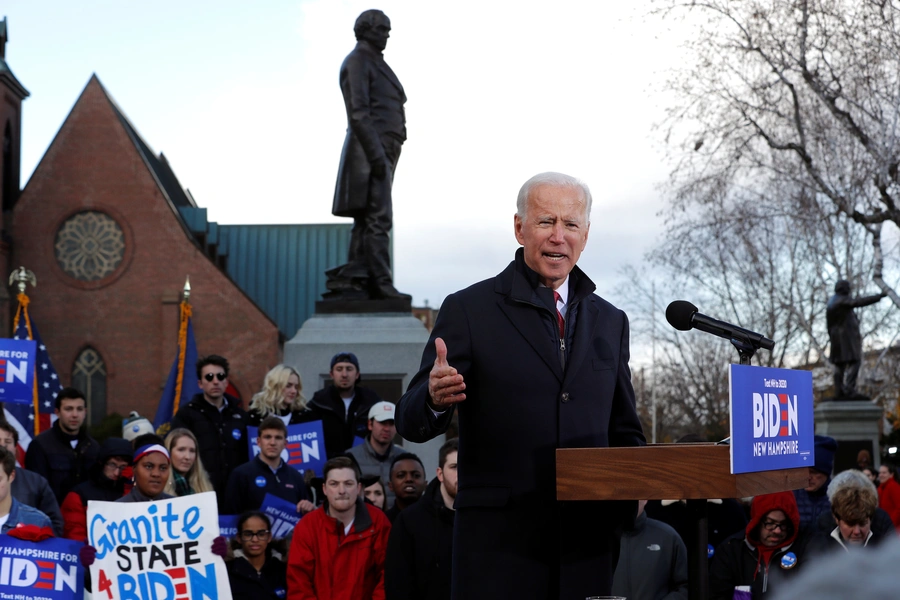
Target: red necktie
[{"x": 559, "y": 318}]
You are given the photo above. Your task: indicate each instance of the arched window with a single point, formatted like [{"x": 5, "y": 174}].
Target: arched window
[{"x": 89, "y": 376}]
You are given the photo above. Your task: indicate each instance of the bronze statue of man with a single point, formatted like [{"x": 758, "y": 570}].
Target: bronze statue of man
[
  {"x": 376, "y": 129},
  {"x": 846, "y": 341}
]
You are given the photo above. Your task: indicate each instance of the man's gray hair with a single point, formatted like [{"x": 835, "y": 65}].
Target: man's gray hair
[
  {"x": 557, "y": 180},
  {"x": 850, "y": 478}
]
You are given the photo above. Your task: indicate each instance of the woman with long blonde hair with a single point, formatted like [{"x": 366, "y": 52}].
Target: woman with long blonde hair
[
  {"x": 281, "y": 396},
  {"x": 187, "y": 475}
]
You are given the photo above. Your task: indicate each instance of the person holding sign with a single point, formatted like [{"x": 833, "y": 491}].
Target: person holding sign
[
  {"x": 267, "y": 473},
  {"x": 257, "y": 574},
  {"x": 338, "y": 550},
  {"x": 151, "y": 470}
]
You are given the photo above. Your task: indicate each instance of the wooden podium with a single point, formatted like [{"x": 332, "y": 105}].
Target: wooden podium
[{"x": 693, "y": 472}]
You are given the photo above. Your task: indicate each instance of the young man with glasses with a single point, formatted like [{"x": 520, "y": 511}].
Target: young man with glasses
[
  {"x": 338, "y": 550},
  {"x": 772, "y": 548},
  {"x": 218, "y": 423},
  {"x": 106, "y": 483},
  {"x": 29, "y": 488}
]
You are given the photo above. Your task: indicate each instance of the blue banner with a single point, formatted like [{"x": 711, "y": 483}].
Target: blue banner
[
  {"x": 305, "y": 447},
  {"x": 283, "y": 514},
  {"x": 40, "y": 570},
  {"x": 17, "y": 362},
  {"x": 771, "y": 419},
  {"x": 228, "y": 525}
]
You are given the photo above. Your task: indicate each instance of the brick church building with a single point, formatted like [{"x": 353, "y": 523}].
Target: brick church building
[{"x": 111, "y": 235}]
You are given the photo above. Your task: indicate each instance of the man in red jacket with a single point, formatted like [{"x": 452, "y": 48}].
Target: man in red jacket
[{"x": 338, "y": 550}]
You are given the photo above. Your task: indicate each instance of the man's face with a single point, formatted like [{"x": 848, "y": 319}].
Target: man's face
[
  {"x": 816, "y": 480},
  {"x": 855, "y": 534},
  {"x": 773, "y": 528},
  {"x": 271, "y": 443},
  {"x": 553, "y": 232},
  {"x": 344, "y": 375},
  {"x": 5, "y": 483},
  {"x": 7, "y": 441},
  {"x": 408, "y": 480},
  {"x": 382, "y": 431},
  {"x": 213, "y": 382},
  {"x": 151, "y": 473},
  {"x": 378, "y": 34},
  {"x": 341, "y": 489},
  {"x": 113, "y": 467},
  {"x": 447, "y": 475},
  {"x": 71, "y": 413}
]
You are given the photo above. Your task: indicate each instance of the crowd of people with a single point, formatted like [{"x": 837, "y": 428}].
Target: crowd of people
[{"x": 373, "y": 526}]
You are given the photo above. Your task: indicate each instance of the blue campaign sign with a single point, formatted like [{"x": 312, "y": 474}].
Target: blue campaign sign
[
  {"x": 283, "y": 514},
  {"x": 48, "y": 570},
  {"x": 17, "y": 358},
  {"x": 305, "y": 448},
  {"x": 228, "y": 525},
  {"x": 771, "y": 419}
]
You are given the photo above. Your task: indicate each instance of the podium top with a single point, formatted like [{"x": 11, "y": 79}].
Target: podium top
[{"x": 661, "y": 472}]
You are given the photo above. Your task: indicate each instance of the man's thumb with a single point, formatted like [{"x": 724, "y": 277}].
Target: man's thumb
[{"x": 441, "y": 349}]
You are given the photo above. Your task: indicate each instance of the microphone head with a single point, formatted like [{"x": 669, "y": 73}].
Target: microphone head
[{"x": 679, "y": 314}]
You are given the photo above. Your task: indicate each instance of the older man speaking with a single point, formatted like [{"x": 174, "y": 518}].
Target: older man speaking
[{"x": 535, "y": 361}]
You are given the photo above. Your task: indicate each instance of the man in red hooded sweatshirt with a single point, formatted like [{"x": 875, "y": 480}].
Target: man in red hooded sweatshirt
[{"x": 771, "y": 549}]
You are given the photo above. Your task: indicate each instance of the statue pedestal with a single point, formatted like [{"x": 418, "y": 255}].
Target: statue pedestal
[
  {"x": 389, "y": 348},
  {"x": 855, "y": 425}
]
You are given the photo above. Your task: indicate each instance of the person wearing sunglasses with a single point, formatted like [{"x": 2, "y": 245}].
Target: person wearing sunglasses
[
  {"x": 257, "y": 571},
  {"x": 771, "y": 549},
  {"x": 218, "y": 423}
]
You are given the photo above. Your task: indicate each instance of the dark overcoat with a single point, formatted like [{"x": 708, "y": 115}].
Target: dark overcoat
[
  {"x": 374, "y": 101},
  {"x": 843, "y": 326},
  {"x": 525, "y": 398}
]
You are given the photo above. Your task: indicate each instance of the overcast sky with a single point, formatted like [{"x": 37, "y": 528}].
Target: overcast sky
[{"x": 243, "y": 99}]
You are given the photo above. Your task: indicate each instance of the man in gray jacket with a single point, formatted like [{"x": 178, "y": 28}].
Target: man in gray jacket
[
  {"x": 30, "y": 488},
  {"x": 652, "y": 561},
  {"x": 376, "y": 453}
]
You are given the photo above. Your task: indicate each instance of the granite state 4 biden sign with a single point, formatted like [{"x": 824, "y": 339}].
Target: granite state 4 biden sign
[
  {"x": 771, "y": 419},
  {"x": 157, "y": 550}
]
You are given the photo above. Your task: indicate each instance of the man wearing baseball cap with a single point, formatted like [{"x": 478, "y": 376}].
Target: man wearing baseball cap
[
  {"x": 374, "y": 456},
  {"x": 343, "y": 406}
]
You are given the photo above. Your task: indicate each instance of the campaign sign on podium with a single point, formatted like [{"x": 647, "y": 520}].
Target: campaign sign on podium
[
  {"x": 17, "y": 370},
  {"x": 771, "y": 419}
]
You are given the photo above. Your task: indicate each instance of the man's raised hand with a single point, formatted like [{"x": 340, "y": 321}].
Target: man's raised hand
[{"x": 445, "y": 384}]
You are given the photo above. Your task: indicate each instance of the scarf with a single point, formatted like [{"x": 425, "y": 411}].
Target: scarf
[{"x": 182, "y": 487}]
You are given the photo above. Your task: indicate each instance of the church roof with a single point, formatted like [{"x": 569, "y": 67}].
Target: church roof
[{"x": 6, "y": 74}]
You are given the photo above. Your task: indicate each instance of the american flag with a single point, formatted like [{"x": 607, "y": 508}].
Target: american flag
[{"x": 47, "y": 384}]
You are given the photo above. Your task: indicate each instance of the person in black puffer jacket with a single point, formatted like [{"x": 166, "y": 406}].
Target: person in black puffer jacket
[{"x": 258, "y": 573}]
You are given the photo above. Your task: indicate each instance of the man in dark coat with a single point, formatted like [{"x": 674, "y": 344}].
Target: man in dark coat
[
  {"x": 846, "y": 341},
  {"x": 376, "y": 130},
  {"x": 343, "y": 407},
  {"x": 420, "y": 547},
  {"x": 30, "y": 488},
  {"x": 531, "y": 371},
  {"x": 218, "y": 423}
]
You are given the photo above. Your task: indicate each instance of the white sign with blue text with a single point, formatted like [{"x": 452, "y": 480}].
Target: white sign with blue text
[{"x": 771, "y": 419}]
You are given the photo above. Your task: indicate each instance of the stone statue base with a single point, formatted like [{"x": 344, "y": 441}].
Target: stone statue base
[
  {"x": 855, "y": 425},
  {"x": 857, "y": 397}
]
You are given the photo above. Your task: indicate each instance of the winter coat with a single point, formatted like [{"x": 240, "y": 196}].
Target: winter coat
[
  {"x": 31, "y": 489},
  {"x": 652, "y": 562},
  {"x": 249, "y": 484},
  {"x": 51, "y": 455},
  {"x": 738, "y": 562},
  {"x": 135, "y": 495},
  {"x": 221, "y": 438},
  {"x": 338, "y": 425},
  {"x": 325, "y": 564},
  {"x": 420, "y": 549},
  {"x": 726, "y": 517},
  {"x": 812, "y": 504},
  {"x": 247, "y": 583},
  {"x": 889, "y": 500},
  {"x": 527, "y": 394}
]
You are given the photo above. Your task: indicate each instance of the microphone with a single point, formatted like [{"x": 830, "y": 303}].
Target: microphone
[{"x": 683, "y": 315}]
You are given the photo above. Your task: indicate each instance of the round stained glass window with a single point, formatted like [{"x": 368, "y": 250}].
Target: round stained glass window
[{"x": 90, "y": 246}]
